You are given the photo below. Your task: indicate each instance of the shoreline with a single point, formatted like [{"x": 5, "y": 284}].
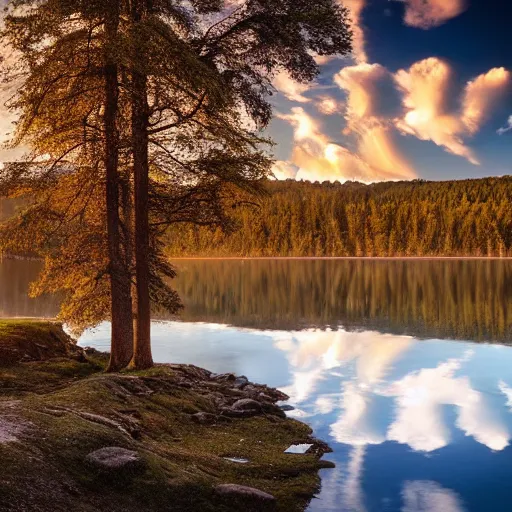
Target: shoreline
[
  {"x": 342, "y": 258},
  {"x": 73, "y": 437}
]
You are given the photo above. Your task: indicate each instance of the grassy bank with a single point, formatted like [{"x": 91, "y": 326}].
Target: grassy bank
[{"x": 57, "y": 406}]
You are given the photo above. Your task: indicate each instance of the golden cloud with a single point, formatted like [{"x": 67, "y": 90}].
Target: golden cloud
[
  {"x": 426, "y": 90},
  {"x": 320, "y": 159}
]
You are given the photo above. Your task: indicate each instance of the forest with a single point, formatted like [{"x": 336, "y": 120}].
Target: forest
[{"x": 416, "y": 218}]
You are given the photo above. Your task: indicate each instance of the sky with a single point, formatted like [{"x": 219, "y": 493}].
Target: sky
[{"x": 426, "y": 94}]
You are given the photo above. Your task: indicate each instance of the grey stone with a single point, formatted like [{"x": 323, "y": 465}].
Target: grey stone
[
  {"x": 223, "y": 377},
  {"x": 246, "y": 404},
  {"x": 241, "y": 382},
  {"x": 241, "y": 491},
  {"x": 286, "y": 408},
  {"x": 113, "y": 459}
]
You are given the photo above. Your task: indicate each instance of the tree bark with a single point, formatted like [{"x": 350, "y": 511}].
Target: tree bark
[
  {"x": 120, "y": 284},
  {"x": 142, "y": 357}
]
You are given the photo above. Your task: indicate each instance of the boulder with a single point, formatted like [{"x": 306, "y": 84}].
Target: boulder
[
  {"x": 246, "y": 404},
  {"x": 115, "y": 459},
  {"x": 241, "y": 382}
]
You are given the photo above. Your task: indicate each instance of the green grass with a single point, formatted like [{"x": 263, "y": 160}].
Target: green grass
[{"x": 45, "y": 469}]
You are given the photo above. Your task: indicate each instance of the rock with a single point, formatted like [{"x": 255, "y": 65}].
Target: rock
[
  {"x": 286, "y": 408},
  {"x": 243, "y": 492},
  {"x": 115, "y": 459},
  {"x": 223, "y": 377},
  {"x": 241, "y": 382},
  {"x": 246, "y": 404},
  {"x": 204, "y": 418}
]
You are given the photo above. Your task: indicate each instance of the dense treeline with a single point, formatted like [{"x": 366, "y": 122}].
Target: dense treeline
[{"x": 418, "y": 218}]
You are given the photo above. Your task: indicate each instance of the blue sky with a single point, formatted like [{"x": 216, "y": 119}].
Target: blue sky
[{"x": 426, "y": 94}]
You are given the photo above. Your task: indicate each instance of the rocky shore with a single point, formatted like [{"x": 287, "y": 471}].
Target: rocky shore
[{"x": 176, "y": 437}]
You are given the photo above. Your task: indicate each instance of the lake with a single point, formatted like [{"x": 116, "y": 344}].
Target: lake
[{"x": 402, "y": 366}]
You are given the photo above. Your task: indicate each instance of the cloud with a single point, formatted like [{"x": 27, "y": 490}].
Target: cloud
[
  {"x": 507, "y": 391},
  {"x": 482, "y": 95},
  {"x": 356, "y": 8},
  {"x": 284, "y": 170},
  {"x": 426, "y": 88},
  {"x": 428, "y": 496},
  {"x": 363, "y": 84},
  {"x": 352, "y": 494},
  {"x": 328, "y": 105},
  {"x": 420, "y": 397},
  {"x": 312, "y": 354},
  {"x": 319, "y": 159},
  {"x": 353, "y": 425},
  {"x": 427, "y": 14},
  {"x": 506, "y": 128},
  {"x": 293, "y": 90}
]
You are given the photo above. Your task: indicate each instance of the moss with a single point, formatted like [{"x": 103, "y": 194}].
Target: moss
[{"x": 66, "y": 408}]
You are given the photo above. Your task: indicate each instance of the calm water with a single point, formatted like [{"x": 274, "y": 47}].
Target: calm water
[{"x": 402, "y": 366}]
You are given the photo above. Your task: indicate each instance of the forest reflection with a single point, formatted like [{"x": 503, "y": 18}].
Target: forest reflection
[{"x": 459, "y": 299}]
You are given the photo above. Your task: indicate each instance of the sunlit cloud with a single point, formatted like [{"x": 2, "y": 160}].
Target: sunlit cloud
[
  {"x": 318, "y": 158},
  {"x": 426, "y": 89},
  {"x": 328, "y": 105},
  {"x": 367, "y": 113},
  {"x": 427, "y": 14},
  {"x": 290, "y": 88},
  {"x": 482, "y": 95},
  {"x": 362, "y": 83},
  {"x": 356, "y": 8},
  {"x": 428, "y": 496}
]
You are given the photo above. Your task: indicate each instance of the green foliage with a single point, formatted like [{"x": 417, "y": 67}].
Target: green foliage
[
  {"x": 206, "y": 67},
  {"x": 454, "y": 218}
]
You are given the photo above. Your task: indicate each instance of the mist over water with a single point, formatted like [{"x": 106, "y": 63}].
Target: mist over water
[{"x": 402, "y": 366}]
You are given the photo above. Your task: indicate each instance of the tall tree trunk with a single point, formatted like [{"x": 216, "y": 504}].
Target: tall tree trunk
[
  {"x": 142, "y": 357},
  {"x": 121, "y": 308}
]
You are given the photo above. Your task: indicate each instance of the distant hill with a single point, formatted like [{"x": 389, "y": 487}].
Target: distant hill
[{"x": 414, "y": 218}]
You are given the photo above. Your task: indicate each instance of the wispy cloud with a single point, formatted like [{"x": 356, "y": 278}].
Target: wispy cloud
[{"x": 506, "y": 128}]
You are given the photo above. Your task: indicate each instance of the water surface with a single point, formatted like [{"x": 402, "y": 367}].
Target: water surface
[{"x": 403, "y": 366}]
